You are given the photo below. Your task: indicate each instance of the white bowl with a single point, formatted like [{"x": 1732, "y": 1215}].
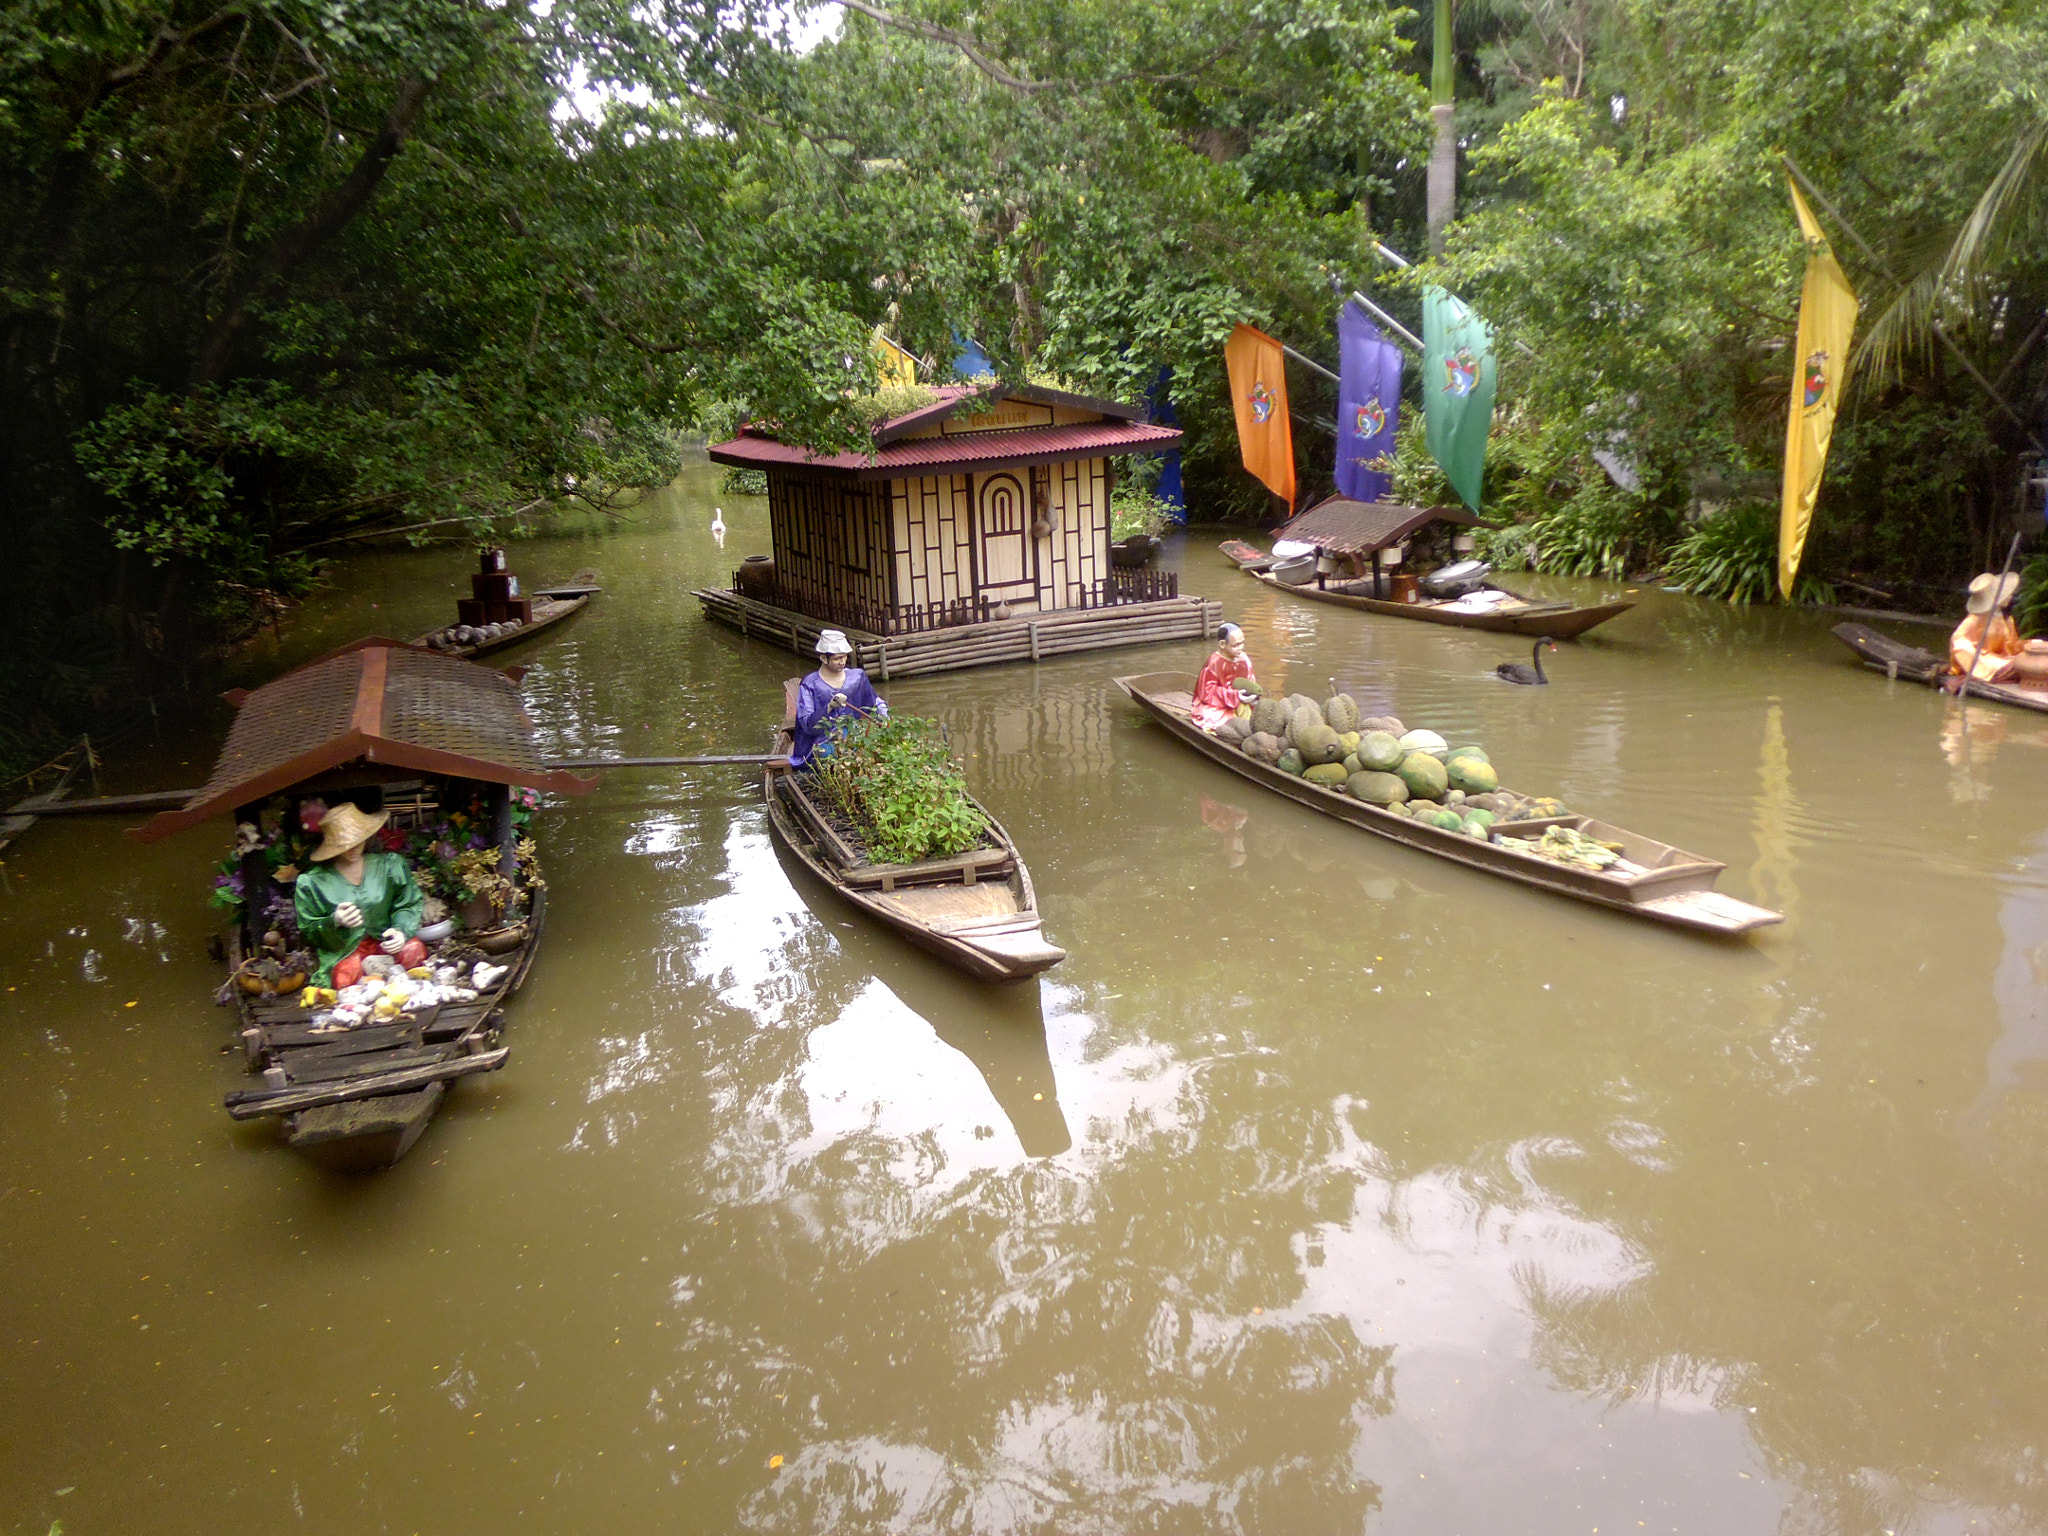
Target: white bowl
[{"x": 434, "y": 933}]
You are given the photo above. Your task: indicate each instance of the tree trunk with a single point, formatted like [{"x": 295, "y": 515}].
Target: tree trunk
[{"x": 1443, "y": 177}]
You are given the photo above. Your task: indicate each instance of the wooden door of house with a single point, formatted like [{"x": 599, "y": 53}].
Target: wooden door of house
[{"x": 1005, "y": 558}]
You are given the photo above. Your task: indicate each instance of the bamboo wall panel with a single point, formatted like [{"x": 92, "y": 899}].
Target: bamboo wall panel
[{"x": 831, "y": 541}]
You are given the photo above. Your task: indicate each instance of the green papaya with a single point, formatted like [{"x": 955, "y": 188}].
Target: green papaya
[
  {"x": 1329, "y": 775},
  {"x": 1352, "y": 764},
  {"x": 1269, "y": 717},
  {"x": 1290, "y": 762},
  {"x": 1385, "y": 789},
  {"x": 1380, "y": 751},
  {"x": 1264, "y": 746},
  {"x": 1468, "y": 751},
  {"x": 1480, "y": 818},
  {"x": 1473, "y": 827},
  {"x": 1450, "y": 821},
  {"x": 1423, "y": 775},
  {"x": 1474, "y": 775},
  {"x": 1341, "y": 710}
]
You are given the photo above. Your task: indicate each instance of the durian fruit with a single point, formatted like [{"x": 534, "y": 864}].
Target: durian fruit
[
  {"x": 1341, "y": 710},
  {"x": 1385, "y": 723}
]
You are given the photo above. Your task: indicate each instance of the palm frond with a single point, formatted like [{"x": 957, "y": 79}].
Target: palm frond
[{"x": 1956, "y": 290}]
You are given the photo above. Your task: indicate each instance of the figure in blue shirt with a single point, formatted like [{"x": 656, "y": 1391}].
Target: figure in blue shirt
[{"x": 834, "y": 692}]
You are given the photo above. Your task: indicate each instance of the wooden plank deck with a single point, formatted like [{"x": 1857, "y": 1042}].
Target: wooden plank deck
[{"x": 1031, "y": 638}]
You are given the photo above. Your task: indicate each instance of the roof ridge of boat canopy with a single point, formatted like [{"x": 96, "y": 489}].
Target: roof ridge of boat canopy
[
  {"x": 898, "y": 455},
  {"x": 382, "y": 701},
  {"x": 1342, "y": 526}
]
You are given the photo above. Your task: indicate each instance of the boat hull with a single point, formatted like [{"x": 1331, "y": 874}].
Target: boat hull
[
  {"x": 1676, "y": 888},
  {"x": 544, "y": 620},
  {"x": 993, "y": 934},
  {"x": 1882, "y": 654},
  {"x": 1556, "y": 623}
]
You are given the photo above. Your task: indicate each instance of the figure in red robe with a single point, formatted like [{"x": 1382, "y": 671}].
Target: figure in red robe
[{"x": 1226, "y": 683}]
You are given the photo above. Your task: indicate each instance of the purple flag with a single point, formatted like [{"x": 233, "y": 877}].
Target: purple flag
[{"x": 1368, "y": 404}]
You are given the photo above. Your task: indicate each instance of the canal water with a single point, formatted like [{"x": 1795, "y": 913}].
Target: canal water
[{"x": 1323, "y": 1188}]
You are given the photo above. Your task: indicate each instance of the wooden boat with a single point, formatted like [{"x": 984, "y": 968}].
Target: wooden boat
[
  {"x": 1247, "y": 557},
  {"x": 1884, "y": 654},
  {"x": 358, "y": 1099},
  {"x": 975, "y": 910},
  {"x": 1518, "y": 616},
  {"x": 551, "y": 605},
  {"x": 417, "y": 734},
  {"x": 23, "y": 814},
  {"x": 1653, "y": 880}
]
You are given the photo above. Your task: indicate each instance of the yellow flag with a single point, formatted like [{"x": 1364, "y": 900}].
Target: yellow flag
[
  {"x": 1258, "y": 394},
  {"x": 1820, "y": 367},
  {"x": 899, "y": 367}
]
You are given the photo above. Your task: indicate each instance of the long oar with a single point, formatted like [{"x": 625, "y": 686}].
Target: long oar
[
  {"x": 1970, "y": 676},
  {"x": 778, "y": 759}
]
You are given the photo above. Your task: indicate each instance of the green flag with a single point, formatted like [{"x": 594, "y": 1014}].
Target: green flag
[{"x": 1457, "y": 390}]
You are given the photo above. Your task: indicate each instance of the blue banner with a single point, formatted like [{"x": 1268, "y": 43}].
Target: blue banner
[{"x": 1368, "y": 404}]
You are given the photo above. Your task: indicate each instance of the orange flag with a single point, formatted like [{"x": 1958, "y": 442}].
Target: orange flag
[{"x": 1258, "y": 393}]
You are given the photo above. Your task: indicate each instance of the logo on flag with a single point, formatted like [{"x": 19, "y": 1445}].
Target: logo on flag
[
  {"x": 1461, "y": 372},
  {"x": 1816, "y": 377},
  {"x": 1372, "y": 419},
  {"x": 1262, "y": 402}
]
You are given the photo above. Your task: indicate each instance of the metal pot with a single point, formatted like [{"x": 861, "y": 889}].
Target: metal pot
[{"x": 1298, "y": 572}]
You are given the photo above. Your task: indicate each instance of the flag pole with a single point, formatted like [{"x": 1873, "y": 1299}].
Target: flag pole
[
  {"x": 1310, "y": 363},
  {"x": 1386, "y": 319}
]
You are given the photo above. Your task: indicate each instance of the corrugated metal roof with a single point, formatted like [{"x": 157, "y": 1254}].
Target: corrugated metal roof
[
  {"x": 382, "y": 701},
  {"x": 1346, "y": 527},
  {"x": 965, "y": 450}
]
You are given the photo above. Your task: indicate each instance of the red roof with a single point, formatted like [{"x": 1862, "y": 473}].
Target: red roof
[
  {"x": 381, "y": 701},
  {"x": 964, "y": 450}
]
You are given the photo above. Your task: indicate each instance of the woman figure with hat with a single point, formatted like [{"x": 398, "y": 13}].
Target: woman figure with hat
[
  {"x": 1986, "y": 621},
  {"x": 357, "y": 901},
  {"x": 834, "y": 692}
]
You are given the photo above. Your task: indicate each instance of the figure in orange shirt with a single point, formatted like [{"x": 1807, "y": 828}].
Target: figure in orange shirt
[
  {"x": 1987, "y": 621},
  {"x": 1226, "y": 684}
]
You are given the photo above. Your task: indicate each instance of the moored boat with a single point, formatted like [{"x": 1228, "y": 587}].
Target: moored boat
[
  {"x": 1894, "y": 659},
  {"x": 1649, "y": 879},
  {"x": 1357, "y": 533},
  {"x": 442, "y": 755},
  {"x": 498, "y": 615},
  {"x": 974, "y": 910}
]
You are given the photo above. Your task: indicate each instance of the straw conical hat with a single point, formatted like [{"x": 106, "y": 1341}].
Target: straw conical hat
[
  {"x": 344, "y": 828},
  {"x": 1981, "y": 599}
]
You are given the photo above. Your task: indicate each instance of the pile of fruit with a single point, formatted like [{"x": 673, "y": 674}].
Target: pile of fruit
[{"x": 1376, "y": 759}]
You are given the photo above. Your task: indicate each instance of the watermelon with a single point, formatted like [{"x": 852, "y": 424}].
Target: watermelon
[
  {"x": 1423, "y": 775},
  {"x": 1383, "y": 789},
  {"x": 1380, "y": 752},
  {"x": 1290, "y": 762},
  {"x": 1329, "y": 775},
  {"x": 1474, "y": 775}
]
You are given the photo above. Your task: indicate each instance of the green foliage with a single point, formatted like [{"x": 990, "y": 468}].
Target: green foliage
[
  {"x": 1733, "y": 555},
  {"x": 896, "y": 782},
  {"x": 892, "y": 400},
  {"x": 1135, "y": 505},
  {"x": 2030, "y": 608}
]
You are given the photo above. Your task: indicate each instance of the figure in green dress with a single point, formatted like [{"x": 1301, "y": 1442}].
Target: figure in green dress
[{"x": 357, "y": 901}]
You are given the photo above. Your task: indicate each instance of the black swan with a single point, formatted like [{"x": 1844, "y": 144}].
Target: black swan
[{"x": 1515, "y": 672}]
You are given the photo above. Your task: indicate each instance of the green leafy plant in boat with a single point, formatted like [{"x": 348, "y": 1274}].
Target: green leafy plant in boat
[{"x": 898, "y": 785}]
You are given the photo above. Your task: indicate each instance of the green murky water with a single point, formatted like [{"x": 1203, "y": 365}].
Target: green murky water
[{"x": 1323, "y": 1188}]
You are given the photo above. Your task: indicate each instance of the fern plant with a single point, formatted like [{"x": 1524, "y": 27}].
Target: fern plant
[{"x": 1733, "y": 556}]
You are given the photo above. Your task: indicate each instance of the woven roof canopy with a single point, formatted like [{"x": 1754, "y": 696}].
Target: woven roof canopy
[
  {"x": 378, "y": 702},
  {"x": 1346, "y": 527}
]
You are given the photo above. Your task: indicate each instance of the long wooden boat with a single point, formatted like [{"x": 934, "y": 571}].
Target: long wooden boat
[
  {"x": 976, "y": 910},
  {"x": 551, "y": 605},
  {"x": 1523, "y": 616},
  {"x": 1653, "y": 879},
  {"x": 358, "y": 1099},
  {"x": 1884, "y": 654}
]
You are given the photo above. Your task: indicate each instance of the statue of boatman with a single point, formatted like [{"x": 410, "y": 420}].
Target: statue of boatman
[
  {"x": 1226, "y": 684},
  {"x": 835, "y": 692},
  {"x": 357, "y": 901}
]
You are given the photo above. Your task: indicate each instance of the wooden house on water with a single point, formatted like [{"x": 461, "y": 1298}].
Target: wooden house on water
[{"x": 975, "y": 531}]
